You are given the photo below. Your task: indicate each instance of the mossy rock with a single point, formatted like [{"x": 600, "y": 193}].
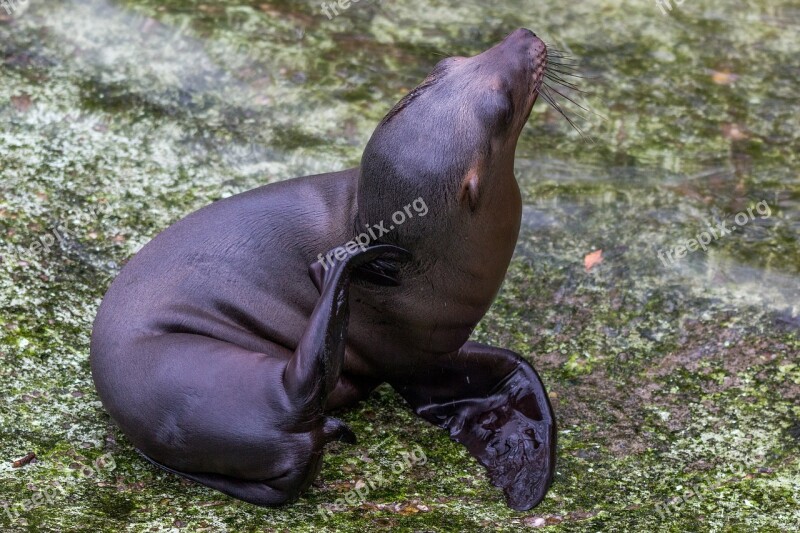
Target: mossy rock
[{"x": 676, "y": 385}]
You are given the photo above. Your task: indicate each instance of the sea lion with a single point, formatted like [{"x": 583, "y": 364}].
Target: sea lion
[{"x": 223, "y": 343}]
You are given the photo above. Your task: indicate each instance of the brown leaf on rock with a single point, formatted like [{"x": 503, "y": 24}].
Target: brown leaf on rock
[
  {"x": 593, "y": 259},
  {"x": 22, "y": 102},
  {"x": 19, "y": 463},
  {"x": 733, "y": 132},
  {"x": 723, "y": 78}
]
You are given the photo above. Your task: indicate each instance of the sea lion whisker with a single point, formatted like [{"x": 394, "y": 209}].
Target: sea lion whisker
[
  {"x": 562, "y": 62},
  {"x": 571, "y": 70},
  {"x": 551, "y": 100},
  {"x": 569, "y": 77},
  {"x": 565, "y": 73},
  {"x": 561, "y": 81},
  {"x": 568, "y": 70},
  {"x": 558, "y": 70},
  {"x": 567, "y": 97},
  {"x": 576, "y": 103},
  {"x": 557, "y": 54},
  {"x": 551, "y": 48},
  {"x": 566, "y": 60},
  {"x": 562, "y": 59},
  {"x": 588, "y": 110}
]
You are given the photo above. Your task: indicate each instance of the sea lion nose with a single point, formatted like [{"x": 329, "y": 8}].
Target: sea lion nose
[
  {"x": 525, "y": 38},
  {"x": 523, "y": 33}
]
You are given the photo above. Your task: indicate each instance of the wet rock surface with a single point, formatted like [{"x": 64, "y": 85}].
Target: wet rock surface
[{"x": 676, "y": 383}]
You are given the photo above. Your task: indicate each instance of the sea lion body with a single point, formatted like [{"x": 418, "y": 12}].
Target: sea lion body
[{"x": 223, "y": 342}]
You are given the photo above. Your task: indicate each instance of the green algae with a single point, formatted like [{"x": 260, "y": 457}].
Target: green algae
[{"x": 665, "y": 378}]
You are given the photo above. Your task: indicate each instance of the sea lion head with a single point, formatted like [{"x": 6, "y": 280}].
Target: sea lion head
[{"x": 451, "y": 140}]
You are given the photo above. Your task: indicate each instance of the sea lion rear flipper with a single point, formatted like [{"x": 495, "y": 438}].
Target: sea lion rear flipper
[
  {"x": 494, "y": 403},
  {"x": 255, "y": 492}
]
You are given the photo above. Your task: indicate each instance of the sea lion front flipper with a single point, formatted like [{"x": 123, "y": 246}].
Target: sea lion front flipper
[
  {"x": 385, "y": 270},
  {"x": 382, "y": 270},
  {"x": 314, "y": 370},
  {"x": 494, "y": 403}
]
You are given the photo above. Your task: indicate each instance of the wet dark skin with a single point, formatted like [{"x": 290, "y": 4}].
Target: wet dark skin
[{"x": 223, "y": 345}]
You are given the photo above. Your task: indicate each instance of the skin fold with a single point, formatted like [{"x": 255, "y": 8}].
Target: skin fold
[{"x": 223, "y": 344}]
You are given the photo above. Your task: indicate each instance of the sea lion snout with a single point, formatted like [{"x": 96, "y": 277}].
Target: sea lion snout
[
  {"x": 523, "y": 38},
  {"x": 524, "y": 35},
  {"x": 520, "y": 56}
]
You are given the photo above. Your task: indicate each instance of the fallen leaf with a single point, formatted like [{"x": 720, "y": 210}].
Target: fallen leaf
[
  {"x": 19, "y": 463},
  {"x": 593, "y": 259},
  {"x": 733, "y": 132},
  {"x": 21, "y": 102},
  {"x": 535, "y": 521},
  {"x": 723, "y": 78}
]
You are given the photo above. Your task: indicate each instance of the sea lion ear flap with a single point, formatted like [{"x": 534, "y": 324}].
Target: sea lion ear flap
[
  {"x": 469, "y": 189},
  {"x": 336, "y": 430}
]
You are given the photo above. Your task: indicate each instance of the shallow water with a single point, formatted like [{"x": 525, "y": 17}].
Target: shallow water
[{"x": 121, "y": 117}]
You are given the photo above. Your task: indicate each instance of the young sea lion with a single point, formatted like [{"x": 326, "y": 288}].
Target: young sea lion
[{"x": 218, "y": 349}]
